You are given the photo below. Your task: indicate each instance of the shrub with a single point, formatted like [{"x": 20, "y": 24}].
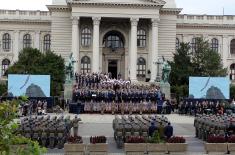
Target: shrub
[
  {"x": 176, "y": 139},
  {"x": 216, "y": 139},
  {"x": 74, "y": 139},
  {"x": 156, "y": 138},
  {"x": 135, "y": 139},
  {"x": 97, "y": 139},
  {"x": 9, "y": 135}
]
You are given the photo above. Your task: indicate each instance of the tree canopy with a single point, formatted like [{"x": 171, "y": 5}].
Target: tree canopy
[{"x": 32, "y": 61}]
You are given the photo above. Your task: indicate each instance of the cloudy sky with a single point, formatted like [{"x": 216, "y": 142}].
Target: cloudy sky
[{"x": 189, "y": 6}]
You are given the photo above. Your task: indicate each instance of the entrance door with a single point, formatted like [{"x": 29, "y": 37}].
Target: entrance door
[{"x": 112, "y": 68}]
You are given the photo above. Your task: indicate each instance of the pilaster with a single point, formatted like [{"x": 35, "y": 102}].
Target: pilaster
[
  {"x": 16, "y": 46},
  {"x": 37, "y": 40}
]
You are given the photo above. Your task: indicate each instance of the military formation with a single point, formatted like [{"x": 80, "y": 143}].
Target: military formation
[
  {"x": 49, "y": 131},
  {"x": 206, "y": 125},
  {"x": 126, "y": 126},
  {"x": 100, "y": 93}
]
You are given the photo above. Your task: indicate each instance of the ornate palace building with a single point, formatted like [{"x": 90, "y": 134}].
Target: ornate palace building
[{"x": 124, "y": 37}]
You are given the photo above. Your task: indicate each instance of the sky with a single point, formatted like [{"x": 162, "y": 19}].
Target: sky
[{"x": 210, "y": 7}]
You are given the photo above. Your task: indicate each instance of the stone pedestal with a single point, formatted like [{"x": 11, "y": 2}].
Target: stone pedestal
[
  {"x": 166, "y": 89},
  {"x": 68, "y": 90}
]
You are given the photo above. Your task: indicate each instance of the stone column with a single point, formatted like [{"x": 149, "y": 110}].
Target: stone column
[
  {"x": 37, "y": 40},
  {"x": 133, "y": 49},
  {"x": 154, "y": 51},
  {"x": 75, "y": 42},
  {"x": 16, "y": 46},
  {"x": 96, "y": 47}
]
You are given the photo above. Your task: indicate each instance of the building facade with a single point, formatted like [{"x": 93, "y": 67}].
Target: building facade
[{"x": 126, "y": 37}]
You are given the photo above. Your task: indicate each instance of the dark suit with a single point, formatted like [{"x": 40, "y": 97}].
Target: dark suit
[
  {"x": 168, "y": 131},
  {"x": 152, "y": 129}
]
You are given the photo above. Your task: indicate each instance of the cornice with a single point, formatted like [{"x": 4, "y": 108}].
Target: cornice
[
  {"x": 58, "y": 8},
  {"x": 156, "y": 4},
  {"x": 174, "y": 11},
  {"x": 26, "y": 21},
  {"x": 185, "y": 25}
]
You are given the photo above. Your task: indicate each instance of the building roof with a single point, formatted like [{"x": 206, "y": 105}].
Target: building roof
[{"x": 165, "y": 3}]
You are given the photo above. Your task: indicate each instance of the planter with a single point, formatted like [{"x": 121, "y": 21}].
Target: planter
[
  {"x": 97, "y": 149},
  {"x": 231, "y": 147},
  {"x": 135, "y": 148},
  {"x": 177, "y": 147},
  {"x": 216, "y": 147},
  {"x": 74, "y": 149},
  {"x": 154, "y": 149}
]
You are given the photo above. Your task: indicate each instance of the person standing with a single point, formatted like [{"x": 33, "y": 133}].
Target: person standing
[
  {"x": 75, "y": 125},
  {"x": 152, "y": 129},
  {"x": 161, "y": 130}
]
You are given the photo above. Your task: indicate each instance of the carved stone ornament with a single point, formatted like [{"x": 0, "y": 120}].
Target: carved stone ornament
[
  {"x": 155, "y": 21},
  {"x": 96, "y": 20},
  {"x": 134, "y": 21},
  {"x": 75, "y": 20}
]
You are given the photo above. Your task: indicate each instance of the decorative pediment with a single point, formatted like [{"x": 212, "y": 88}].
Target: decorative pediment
[{"x": 159, "y": 3}]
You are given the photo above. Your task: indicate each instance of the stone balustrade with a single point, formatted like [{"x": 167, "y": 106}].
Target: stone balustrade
[
  {"x": 206, "y": 19},
  {"x": 24, "y": 14}
]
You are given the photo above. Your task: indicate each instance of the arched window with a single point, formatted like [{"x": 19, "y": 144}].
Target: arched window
[
  {"x": 86, "y": 37},
  {"x": 113, "y": 39},
  {"x": 177, "y": 43},
  {"x": 141, "y": 67},
  {"x": 27, "y": 41},
  {"x": 215, "y": 44},
  {"x": 141, "y": 38},
  {"x": 232, "y": 47},
  {"x": 47, "y": 42},
  {"x": 5, "y": 65},
  {"x": 85, "y": 64},
  {"x": 232, "y": 72},
  {"x": 194, "y": 44},
  {"x": 6, "y": 42}
]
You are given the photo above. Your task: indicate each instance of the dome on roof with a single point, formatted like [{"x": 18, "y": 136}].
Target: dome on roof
[
  {"x": 59, "y": 2},
  {"x": 170, "y": 4}
]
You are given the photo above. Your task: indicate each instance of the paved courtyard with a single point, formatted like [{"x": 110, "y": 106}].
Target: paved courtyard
[{"x": 97, "y": 125}]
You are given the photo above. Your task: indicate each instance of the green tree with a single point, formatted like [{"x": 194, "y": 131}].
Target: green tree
[
  {"x": 206, "y": 62},
  {"x": 232, "y": 92},
  {"x": 3, "y": 89},
  {"x": 32, "y": 61},
  {"x": 181, "y": 65}
]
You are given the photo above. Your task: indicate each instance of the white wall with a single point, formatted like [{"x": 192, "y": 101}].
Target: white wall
[{"x": 61, "y": 33}]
